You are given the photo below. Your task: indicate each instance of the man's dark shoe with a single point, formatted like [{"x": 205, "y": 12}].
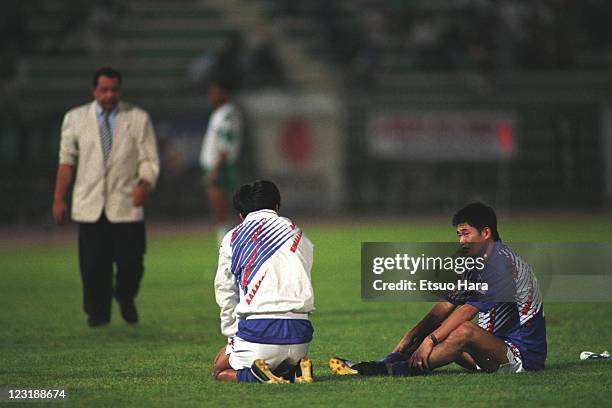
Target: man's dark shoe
[{"x": 128, "y": 311}]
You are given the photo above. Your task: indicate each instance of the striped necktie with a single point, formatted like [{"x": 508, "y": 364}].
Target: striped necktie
[{"x": 106, "y": 134}]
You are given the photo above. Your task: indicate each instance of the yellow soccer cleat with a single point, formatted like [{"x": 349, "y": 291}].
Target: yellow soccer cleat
[
  {"x": 262, "y": 372},
  {"x": 304, "y": 373},
  {"x": 340, "y": 366}
]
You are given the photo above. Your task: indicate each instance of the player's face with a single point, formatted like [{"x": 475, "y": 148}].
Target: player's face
[
  {"x": 472, "y": 241},
  {"x": 216, "y": 95},
  {"x": 107, "y": 92}
]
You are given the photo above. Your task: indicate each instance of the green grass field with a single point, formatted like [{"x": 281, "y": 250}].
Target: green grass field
[{"x": 167, "y": 359}]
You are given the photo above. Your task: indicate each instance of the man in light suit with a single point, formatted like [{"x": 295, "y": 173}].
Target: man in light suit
[{"x": 112, "y": 145}]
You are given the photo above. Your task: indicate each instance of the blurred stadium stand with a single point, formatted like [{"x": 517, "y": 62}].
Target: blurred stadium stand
[{"x": 545, "y": 62}]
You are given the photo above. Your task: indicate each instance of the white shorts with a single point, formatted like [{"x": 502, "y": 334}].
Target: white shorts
[
  {"x": 242, "y": 353},
  {"x": 515, "y": 362}
]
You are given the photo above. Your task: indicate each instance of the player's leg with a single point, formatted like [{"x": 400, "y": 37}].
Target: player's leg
[
  {"x": 220, "y": 197},
  {"x": 468, "y": 346},
  {"x": 466, "y": 361},
  {"x": 257, "y": 361},
  {"x": 342, "y": 366},
  {"x": 220, "y": 208},
  {"x": 219, "y": 203},
  {"x": 222, "y": 370},
  {"x": 486, "y": 350},
  {"x": 243, "y": 361}
]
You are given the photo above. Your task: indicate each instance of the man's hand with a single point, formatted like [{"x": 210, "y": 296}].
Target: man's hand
[
  {"x": 420, "y": 358},
  {"x": 60, "y": 211},
  {"x": 140, "y": 194}
]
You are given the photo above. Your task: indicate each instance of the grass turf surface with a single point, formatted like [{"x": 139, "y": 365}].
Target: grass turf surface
[{"x": 166, "y": 360}]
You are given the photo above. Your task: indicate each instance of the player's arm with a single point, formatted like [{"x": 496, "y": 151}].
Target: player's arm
[
  {"x": 68, "y": 154},
  {"x": 420, "y": 358},
  {"x": 226, "y": 291},
  {"x": 464, "y": 313},
  {"x": 413, "y": 338}
]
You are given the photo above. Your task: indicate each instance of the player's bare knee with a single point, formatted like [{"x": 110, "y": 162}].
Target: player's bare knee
[
  {"x": 220, "y": 363},
  {"x": 217, "y": 370},
  {"x": 463, "y": 333},
  {"x": 218, "y": 367}
]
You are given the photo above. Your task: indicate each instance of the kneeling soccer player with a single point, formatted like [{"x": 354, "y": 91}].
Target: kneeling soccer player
[
  {"x": 511, "y": 332},
  {"x": 264, "y": 291}
]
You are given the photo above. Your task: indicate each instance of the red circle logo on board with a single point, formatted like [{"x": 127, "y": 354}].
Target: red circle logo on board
[{"x": 297, "y": 141}]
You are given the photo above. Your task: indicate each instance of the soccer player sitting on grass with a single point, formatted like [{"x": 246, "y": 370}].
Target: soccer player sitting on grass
[
  {"x": 264, "y": 291},
  {"x": 511, "y": 333}
]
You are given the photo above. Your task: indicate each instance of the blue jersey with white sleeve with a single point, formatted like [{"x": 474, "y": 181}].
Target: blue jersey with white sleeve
[{"x": 512, "y": 307}]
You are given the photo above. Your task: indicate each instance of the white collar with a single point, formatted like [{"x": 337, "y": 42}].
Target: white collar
[{"x": 259, "y": 214}]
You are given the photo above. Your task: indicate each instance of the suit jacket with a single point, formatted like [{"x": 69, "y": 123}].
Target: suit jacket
[{"x": 108, "y": 186}]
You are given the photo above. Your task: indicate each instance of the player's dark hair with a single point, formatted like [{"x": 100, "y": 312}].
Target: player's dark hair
[
  {"x": 107, "y": 71},
  {"x": 478, "y": 216},
  {"x": 258, "y": 195},
  {"x": 225, "y": 81}
]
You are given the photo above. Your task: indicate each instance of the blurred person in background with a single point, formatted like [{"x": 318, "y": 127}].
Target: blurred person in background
[
  {"x": 112, "y": 144},
  {"x": 220, "y": 151}
]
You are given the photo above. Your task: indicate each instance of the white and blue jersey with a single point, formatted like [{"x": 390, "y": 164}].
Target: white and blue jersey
[
  {"x": 263, "y": 282},
  {"x": 223, "y": 136},
  {"x": 512, "y": 307}
]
